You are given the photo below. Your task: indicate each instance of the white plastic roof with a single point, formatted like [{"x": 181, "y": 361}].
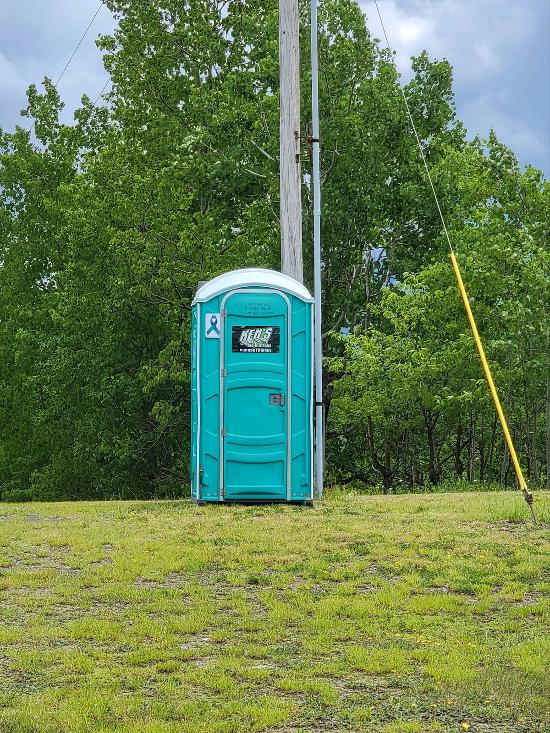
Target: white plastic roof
[{"x": 251, "y": 277}]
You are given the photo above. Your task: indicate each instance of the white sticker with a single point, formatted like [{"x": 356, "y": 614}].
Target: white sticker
[{"x": 212, "y": 325}]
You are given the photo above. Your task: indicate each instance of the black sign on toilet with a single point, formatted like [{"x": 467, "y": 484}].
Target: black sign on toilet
[{"x": 256, "y": 339}]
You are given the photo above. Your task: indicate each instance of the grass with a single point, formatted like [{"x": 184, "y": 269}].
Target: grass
[{"x": 403, "y": 614}]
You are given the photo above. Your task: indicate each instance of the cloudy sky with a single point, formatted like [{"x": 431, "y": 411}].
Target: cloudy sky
[{"x": 499, "y": 50}]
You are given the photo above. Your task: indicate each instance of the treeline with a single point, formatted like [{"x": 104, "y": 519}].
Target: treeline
[
  {"x": 409, "y": 404},
  {"x": 107, "y": 225}
]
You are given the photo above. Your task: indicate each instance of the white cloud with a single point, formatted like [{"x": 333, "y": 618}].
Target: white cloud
[
  {"x": 486, "y": 34},
  {"x": 10, "y": 78},
  {"x": 485, "y": 112},
  {"x": 36, "y": 39},
  {"x": 498, "y": 50},
  {"x": 411, "y": 31}
]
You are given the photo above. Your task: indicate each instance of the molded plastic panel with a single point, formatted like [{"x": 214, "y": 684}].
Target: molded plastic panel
[
  {"x": 264, "y": 402},
  {"x": 255, "y": 443}
]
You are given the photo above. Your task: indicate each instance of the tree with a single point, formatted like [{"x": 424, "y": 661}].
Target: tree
[
  {"x": 109, "y": 223},
  {"x": 411, "y": 404}
]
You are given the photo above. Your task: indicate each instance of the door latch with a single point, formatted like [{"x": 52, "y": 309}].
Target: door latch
[{"x": 277, "y": 399}]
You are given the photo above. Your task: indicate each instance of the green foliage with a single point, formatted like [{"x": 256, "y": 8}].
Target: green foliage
[
  {"x": 107, "y": 225},
  {"x": 410, "y": 404}
]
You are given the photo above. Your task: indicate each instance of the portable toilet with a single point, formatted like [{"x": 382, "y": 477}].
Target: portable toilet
[{"x": 252, "y": 389}]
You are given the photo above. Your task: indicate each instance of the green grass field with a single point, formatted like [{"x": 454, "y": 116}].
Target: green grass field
[{"x": 394, "y": 614}]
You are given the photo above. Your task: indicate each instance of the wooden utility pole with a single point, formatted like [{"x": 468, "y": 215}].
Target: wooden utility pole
[{"x": 289, "y": 161}]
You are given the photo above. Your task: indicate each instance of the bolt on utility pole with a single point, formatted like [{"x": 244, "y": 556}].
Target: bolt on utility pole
[{"x": 289, "y": 160}]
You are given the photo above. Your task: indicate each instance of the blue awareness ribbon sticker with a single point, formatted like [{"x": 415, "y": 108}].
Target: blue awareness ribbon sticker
[{"x": 214, "y": 330}]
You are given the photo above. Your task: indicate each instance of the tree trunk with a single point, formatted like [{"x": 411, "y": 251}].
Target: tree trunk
[
  {"x": 414, "y": 476},
  {"x": 504, "y": 465},
  {"x": 382, "y": 466},
  {"x": 434, "y": 467},
  {"x": 535, "y": 467},
  {"x": 387, "y": 475},
  {"x": 482, "y": 460},
  {"x": 472, "y": 456},
  {"x": 481, "y": 448},
  {"x": 459, "y": 465},
  {"x": 492, "y": 446},
  {"x": 507, "y": 472}
]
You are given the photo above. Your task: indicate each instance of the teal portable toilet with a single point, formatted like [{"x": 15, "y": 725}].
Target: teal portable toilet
[{"x": 252, "y": 389}]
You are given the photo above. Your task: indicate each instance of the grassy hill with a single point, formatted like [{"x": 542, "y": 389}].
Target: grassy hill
[{"x": 394, "y": 614}]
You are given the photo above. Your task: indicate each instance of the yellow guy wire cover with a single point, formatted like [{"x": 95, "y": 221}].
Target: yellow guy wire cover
[
  {"x": 519, "y": 473},
  {"x": 521, "y": 481}
]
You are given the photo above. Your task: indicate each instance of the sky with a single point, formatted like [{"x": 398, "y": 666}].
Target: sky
[{"x": 499, "y": 50}]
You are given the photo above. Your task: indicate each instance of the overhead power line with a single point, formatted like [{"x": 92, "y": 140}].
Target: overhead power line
[
  {"x": 82, "y": 37},
  {"x": 96, "y": 100},
  {"x": 73, "y": 54},
  {"x": 421, "y": 149}
]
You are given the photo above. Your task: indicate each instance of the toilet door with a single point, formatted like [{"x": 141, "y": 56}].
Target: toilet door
[{"x": 255, "y": 408}]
